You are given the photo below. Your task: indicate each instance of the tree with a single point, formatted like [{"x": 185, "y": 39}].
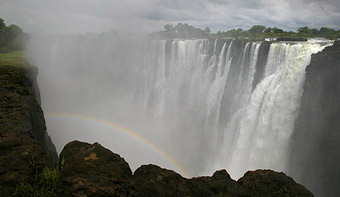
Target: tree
[
  {"x": 257, "y": 29},
  {"x": 305, "y": 31},
  {"x": 315, "y": 32},
  {"x": 11, "y": 37},
  {"x": 327, "y": 32},
  {"x": 2, "y": 25},
  {"x": 277, "y": 30},
  {"x": 169, "y": 28},
  {"x": 268, "y": 30}
]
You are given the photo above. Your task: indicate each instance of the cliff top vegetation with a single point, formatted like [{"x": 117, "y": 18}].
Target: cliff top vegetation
[
  {"x": 12, "y": 37},
  {"x": 257, "y": 32},
  {"x": 12, "y": 58},
  {"x": 12, "y": 42}
]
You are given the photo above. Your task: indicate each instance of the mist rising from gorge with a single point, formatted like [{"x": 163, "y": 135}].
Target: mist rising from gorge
[{"x": 186, "y": 97}]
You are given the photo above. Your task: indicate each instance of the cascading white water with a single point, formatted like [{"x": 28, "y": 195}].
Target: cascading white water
[
  {"x": 210, "y": 109},
  {"x": 264, "y": 125}
]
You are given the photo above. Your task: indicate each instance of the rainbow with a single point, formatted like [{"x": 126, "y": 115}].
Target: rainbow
[{"x": 125, "y": 130}]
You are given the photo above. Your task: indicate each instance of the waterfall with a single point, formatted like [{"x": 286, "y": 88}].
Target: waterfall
[
  {"x": 264, "y": 125},
  {"x": 210, "y": 103}
]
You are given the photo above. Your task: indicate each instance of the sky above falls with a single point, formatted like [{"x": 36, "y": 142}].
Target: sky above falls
[{"x": 82, "y": 16}]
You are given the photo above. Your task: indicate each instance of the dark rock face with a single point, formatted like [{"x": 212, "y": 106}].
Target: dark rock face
[
  {"x": 270, "y": 183},
  {"x": 24, "y": 143},
  {"x": 20, "y": 110},
  {"x": 316, "y": 140},
  {"x": 19, "y": 155},
  {"x": 92, "y": 170}
]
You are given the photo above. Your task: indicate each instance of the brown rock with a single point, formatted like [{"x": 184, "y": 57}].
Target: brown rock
[
  {"x": 92, "y": 170},
  {"x": 151, "y": 180},
  {"x": 220, "y": 184},
  {"x": 270, "y": 183},
  {"x": 20, "y": 110}
]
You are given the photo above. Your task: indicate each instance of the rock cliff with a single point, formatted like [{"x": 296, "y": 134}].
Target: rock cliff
[
  {"x": 24, "y": 141},
  {"x": 316, "y": 140}
]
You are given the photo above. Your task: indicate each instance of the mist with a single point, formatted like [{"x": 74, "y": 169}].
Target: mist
[{"x": 93, "y": 76}]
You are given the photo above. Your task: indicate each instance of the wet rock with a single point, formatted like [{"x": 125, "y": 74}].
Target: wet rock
[
  {"x": 315, "y": 160},
  {"x": 220, "y": 184},
  {"x": 92, "y": 170},
  {"x": 20, "y": 156},
  {"x": 20, "y": 110},
  {"x": 151, "y": 180},
  {"x": 270, "y": 183}
]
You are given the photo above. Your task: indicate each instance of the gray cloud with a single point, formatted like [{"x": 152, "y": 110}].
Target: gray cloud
[{"x": 81, "y": 16}]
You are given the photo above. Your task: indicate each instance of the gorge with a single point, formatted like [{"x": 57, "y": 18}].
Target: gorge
[{"x": 207, "y": 103}]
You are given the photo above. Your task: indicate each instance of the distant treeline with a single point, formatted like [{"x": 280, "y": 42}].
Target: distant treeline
[
  {"x": 11, "y": 37},
  {"x": 257, "y": 32}
]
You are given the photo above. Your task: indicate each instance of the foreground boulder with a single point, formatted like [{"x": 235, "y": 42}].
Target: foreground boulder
[
  {"x": 92, "y": 170},
  {"x": 270, "y": 183}
]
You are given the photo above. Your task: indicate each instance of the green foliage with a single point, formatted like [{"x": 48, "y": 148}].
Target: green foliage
[
  {"x": 327, "y": 32},
  {"x": 256, "y": 32},
  {"x": 183, "y": 31},
  {"x": 11, "y": 37},
  {"x": 277, "y": 30},
  {"x": 257, "y": 29},
  {"x": 42, "y": 183}
]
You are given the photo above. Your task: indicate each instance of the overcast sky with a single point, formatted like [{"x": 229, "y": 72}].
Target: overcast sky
[{"x": 81, "y": 16}]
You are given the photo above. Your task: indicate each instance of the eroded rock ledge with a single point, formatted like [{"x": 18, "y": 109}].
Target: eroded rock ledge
[{"x": 92, "y": 170}]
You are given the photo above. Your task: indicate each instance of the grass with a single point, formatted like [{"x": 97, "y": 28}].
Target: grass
[
  {"x": 13, "y": 58},
  {"x": 42, "y": 182}
]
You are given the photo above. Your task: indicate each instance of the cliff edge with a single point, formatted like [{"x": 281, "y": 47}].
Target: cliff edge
[
  {"x": 316, "y": 140},
  {"x": 23, "y": 138}
]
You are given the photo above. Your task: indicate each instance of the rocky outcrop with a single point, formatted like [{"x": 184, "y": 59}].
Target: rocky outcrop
[
  {"x": 316, "y": 140},
  {"x": 151, "y": 180},
  {"x": 20, "y": 110},
  {"x": 270, "y": 183},
  {"x": 92, "y": 170},
  {"x": 24, "y": 143}
]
